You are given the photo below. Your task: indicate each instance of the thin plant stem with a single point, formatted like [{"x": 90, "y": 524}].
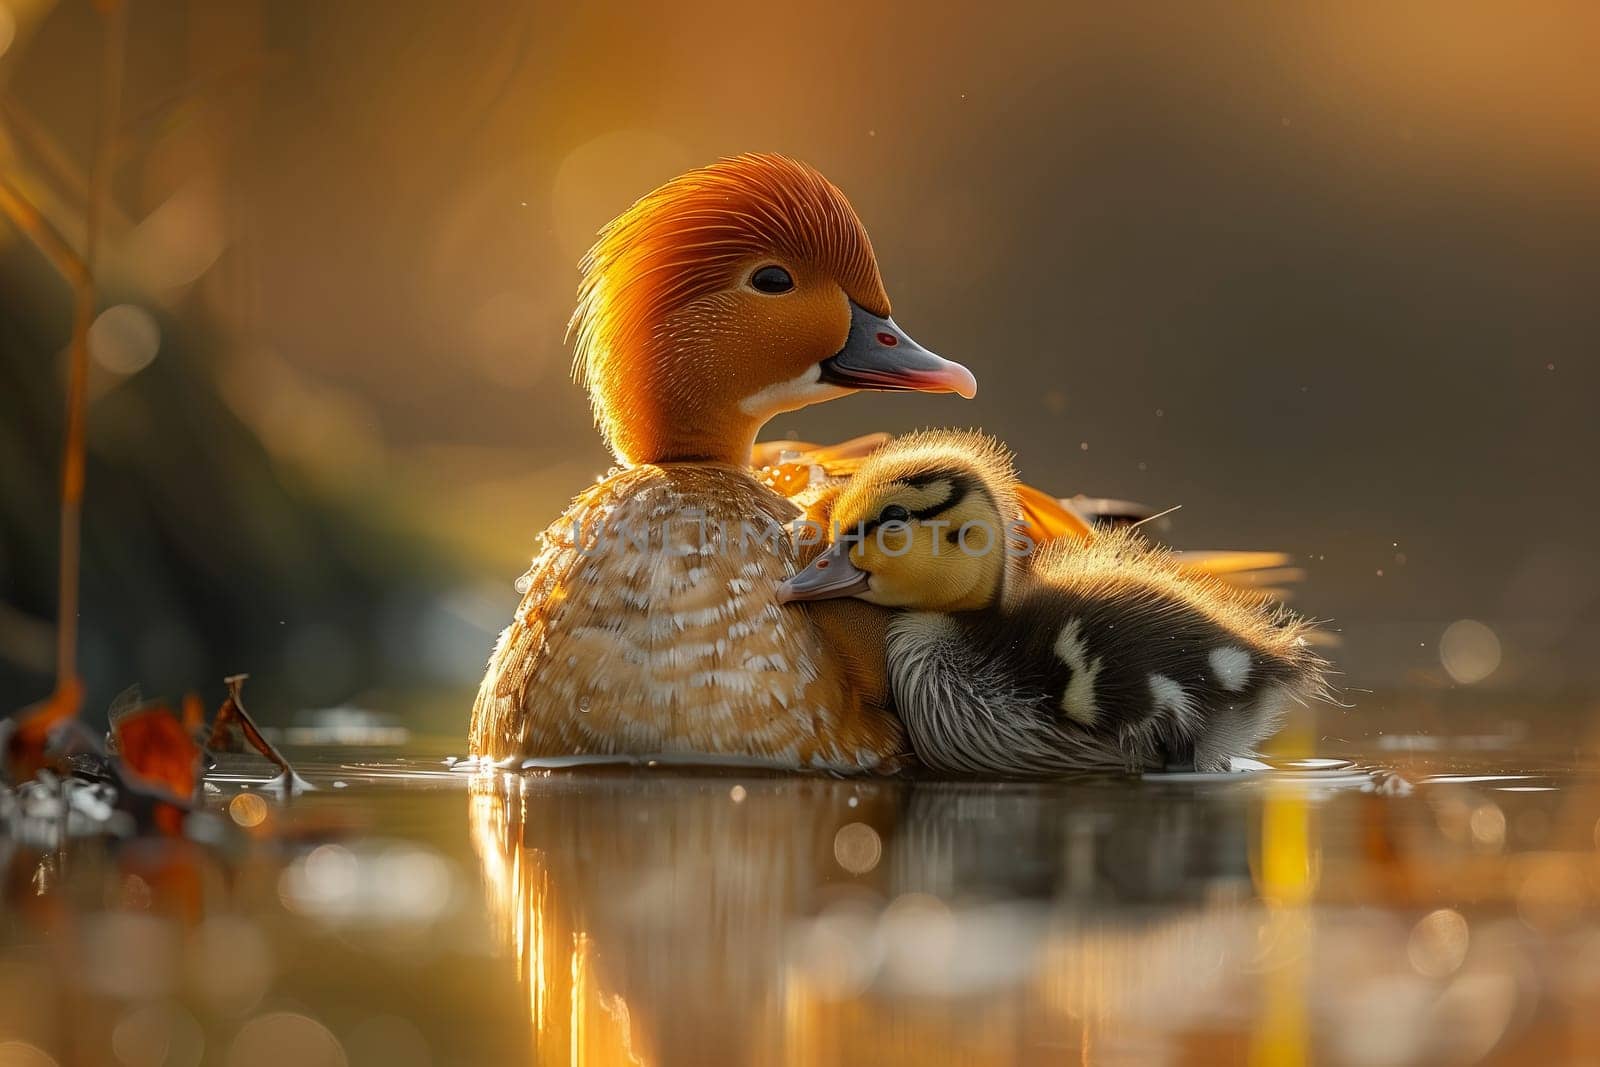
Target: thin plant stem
[
  {"x": 73, "y": 461},
  {"x": 15, "y": 206}
]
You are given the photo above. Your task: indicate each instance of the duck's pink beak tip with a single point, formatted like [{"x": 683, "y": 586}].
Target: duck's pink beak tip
[
  {"x": 962, "y": 382},
  {"x": 946, "y": 377}
]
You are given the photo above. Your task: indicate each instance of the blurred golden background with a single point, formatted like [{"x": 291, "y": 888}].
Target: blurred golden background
[{"x": 1325, "y": 275}]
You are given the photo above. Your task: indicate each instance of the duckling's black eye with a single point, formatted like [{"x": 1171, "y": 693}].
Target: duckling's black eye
[
  {"x": 894, "y": 513},
  {"x": 771, "y": 280}
]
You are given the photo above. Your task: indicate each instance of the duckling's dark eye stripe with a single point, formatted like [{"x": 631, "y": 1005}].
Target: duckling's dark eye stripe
[
  {"x": 959, "y": 488},
  {"x": 960, "y": 485},
  {"x": 934, "y": 477}
]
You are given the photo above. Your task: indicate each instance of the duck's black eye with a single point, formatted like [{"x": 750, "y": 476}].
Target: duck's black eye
[
  {"x": 894, "y": 513},
  {"x": 771, "y": 280}
]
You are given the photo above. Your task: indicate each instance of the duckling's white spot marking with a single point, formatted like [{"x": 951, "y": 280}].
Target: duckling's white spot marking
[
  {"x": 1231, "y": 666},
  {"x": 799, "y": 391},
  {"x": 1078, "y": 700},
  {"x": 1167, "y": 694}
]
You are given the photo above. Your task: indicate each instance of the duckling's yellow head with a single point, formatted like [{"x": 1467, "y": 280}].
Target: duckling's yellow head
[
  {"x": 728, "y": 295},
  {"x": 929, "y": 522}
]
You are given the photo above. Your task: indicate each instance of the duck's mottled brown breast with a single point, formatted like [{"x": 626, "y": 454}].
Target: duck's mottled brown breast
[{"x": 649, "y": 625}]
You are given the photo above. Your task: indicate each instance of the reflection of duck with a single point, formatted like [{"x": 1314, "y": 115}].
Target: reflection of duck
[
  {"x": 726, "y": 296},
  {"x": 669, "y": 918},
  {"x": 650, "y": 913},
  {"x": 1088, "y": 841},
  {"x": 1098, "y": 653}
]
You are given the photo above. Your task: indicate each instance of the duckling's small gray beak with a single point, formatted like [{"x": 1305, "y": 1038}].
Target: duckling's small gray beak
[
  {"x": 830, "y": 575},
  {"x": 878, "y": 354}
]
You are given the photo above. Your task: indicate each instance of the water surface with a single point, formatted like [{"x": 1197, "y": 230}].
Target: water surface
[{"x": 1400, "y": 897}]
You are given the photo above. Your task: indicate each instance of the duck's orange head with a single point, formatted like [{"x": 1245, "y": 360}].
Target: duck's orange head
[{"x": 728, "y": 295}]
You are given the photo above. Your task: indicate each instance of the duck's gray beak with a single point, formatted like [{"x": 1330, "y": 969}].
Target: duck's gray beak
[
  {"x": 830, "y": 575},
  {"x": 880, "y": 355}
]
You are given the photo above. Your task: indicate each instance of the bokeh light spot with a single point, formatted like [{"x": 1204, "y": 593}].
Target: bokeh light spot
[
  {"x": 124, "y": 339},
  {"x": 284, "y": 1038},
  {"x": 248, "y": 810},
  {"x": 1469, "y": 650},
  {"x": 230, "y": 963},
  {"x": 396, "y": 883},
  {"x": 857, "y": 847},
  {"x": 136, "y": 955},
  {"x": 838, "y": 953},
  {"x": 158, "y": 1035},
  {"x": 1488, "y": 826},
  {"x": 1438, "y": 943},
  {"x": 22, "y": 1054},
  {"x": 180, "y": 240}
]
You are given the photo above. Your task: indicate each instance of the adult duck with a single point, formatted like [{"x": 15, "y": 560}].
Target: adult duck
[{"x": 649, "y": 624}]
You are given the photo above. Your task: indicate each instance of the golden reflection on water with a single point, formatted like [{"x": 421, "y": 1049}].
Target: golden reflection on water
[
  {"x": 1288, "y": 863},
  {"x": 660, "y": 919},
  {"x": 613, "y": 917},
  {"x": 1286, "y": 883},
  {"x": 574, "y": 1019},
  {"x": 649, "y": 915},
  {"x": 812, "y": 922}
]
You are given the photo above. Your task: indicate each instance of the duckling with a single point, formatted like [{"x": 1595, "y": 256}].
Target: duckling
[
  {"x": 811, "y": 475},
  {"x": 1012, "y": 659},
  {"x": 648, "y": 624}
]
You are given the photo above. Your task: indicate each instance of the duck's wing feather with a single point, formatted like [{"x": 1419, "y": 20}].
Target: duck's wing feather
[
  {"x": 1080, "y": 517},
  {"x": 1048, "y": 518},
  {"x": 772, "y": 453}
]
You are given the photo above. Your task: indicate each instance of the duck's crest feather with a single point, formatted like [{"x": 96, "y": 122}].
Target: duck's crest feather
[{"x": 677, "y": 243}]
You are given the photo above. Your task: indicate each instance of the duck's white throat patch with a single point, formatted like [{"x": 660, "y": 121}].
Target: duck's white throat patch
[{"x": 798, "y": 392}]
